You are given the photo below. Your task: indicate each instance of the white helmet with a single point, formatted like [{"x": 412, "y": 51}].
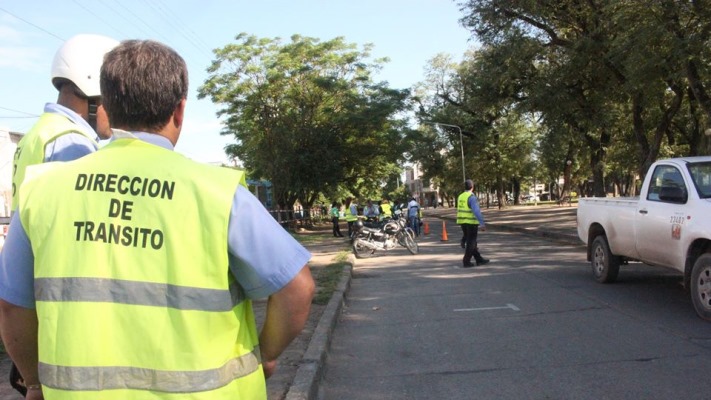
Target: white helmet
[{"x": 79, "y": 60}]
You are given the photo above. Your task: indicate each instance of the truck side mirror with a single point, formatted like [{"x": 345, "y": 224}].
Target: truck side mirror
[{"x": 673, "y": 194}]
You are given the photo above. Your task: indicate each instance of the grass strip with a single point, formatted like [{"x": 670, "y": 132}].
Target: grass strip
[{"x": 327, "y": 279}]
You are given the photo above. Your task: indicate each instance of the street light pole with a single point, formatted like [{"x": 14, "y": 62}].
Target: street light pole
[{"x": 461, "y": 143}]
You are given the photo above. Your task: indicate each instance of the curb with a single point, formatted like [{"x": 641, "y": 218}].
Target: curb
[{"x": 308, "y": 375}]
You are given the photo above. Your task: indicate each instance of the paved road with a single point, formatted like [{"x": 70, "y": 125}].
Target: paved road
[{"x": 531, "y": 325}]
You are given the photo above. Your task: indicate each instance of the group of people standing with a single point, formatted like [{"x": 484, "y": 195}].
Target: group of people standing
[
  {"x": 373, "y": 212},
  {"x": 469, "y": 218}
]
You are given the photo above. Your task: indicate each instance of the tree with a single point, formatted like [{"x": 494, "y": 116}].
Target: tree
[
  {"x": 647, "y": 59},
  {"x": 477, "y": 97},
  {"x": 306, "y": 114}
]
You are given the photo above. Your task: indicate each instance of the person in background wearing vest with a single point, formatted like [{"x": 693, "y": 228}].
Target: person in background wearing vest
[
  {"x": 351, "y": 213},
  {"x": 386, "y": 209},
  {"x": 469, "y": 217},
  {"x": 371, "y": 211},
  {"x": 68, "y": 128},
  {"x": 145, "y": 263},
  {"x": 335, "y": 216}
]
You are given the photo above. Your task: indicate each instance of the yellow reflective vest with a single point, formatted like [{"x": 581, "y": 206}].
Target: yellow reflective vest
[
  {"x": 350, "y": 217},
  {"x": 133, "y": 292},
  {"x": 465, "y": 215},
  {"x": 387, "y": 209},
  {"x": 31, "y": 148}
]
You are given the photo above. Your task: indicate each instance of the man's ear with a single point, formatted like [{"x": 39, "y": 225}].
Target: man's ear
[{"x": 179, "y": 114}]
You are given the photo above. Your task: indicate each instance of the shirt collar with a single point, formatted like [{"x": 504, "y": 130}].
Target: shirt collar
[
  {"x": 69, "y": 114},
  {"x": 151, "y": 138}
]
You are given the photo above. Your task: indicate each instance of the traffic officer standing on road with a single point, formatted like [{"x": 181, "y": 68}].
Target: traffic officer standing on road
[
  {"x": 129, "y": 273},
  {"x": 469, "y": 217},
  {"x": 67, "y": 130}
]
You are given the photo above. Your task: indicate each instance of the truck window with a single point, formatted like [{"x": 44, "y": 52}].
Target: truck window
[
  {"x": 664, "y": 176},
  {"x": 701, "y": 175}
]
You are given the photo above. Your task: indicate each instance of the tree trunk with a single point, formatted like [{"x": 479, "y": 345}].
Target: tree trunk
[
  {"x": 597, "y": 164},
  {"x": 516, "y": 191},
  {"x": 567, "y": 170},
  {"x": 697, "y": 87}
]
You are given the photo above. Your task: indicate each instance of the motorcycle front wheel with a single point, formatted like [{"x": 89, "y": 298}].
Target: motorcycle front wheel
[
  {"x": 406, "y": 239},
  {"x": 360, "y": 249},
  {"x": 410, "y": 233}
]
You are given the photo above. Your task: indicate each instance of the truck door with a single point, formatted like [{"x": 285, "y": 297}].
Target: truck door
[{"x": 660, "y": 217}]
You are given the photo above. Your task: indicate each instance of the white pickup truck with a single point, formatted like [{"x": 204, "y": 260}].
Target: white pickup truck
[{"x": 668, "y": 225}]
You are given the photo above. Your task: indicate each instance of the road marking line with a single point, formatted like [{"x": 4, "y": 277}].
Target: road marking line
[{"x": 508, "y": 306}]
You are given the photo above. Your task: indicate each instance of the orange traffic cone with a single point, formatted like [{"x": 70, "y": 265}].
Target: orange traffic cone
[
  {"x": 444, "y": 232},
  {"x": 427, "y": 228}
]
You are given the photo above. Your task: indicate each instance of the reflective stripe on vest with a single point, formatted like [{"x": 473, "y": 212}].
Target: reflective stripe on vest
[
  {"x": 465, "y": 215},
  {"x": 133, "y": 287},
  {"x": 31, "y": 148},
  {"x": 140, "y": 293},
  {"x": 107, "y": 378}
]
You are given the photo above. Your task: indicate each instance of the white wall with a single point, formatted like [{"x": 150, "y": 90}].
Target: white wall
[{"x": 7, "y": 152}]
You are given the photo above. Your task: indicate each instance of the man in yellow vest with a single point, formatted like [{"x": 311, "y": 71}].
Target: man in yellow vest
[
  {"x": 469, "y": 217},
  {"x": 130, "y": 272},
  {"x": 351, "y": 213},
  {"x": 68, "y": 128}
]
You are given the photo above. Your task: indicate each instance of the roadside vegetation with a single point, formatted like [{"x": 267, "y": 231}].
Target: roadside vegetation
[{"x": 327, "y": 279}]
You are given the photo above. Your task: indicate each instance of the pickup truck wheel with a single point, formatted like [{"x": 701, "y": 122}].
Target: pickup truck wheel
[
  {"x": 701, "y": 286},
  {"x": 605, "y": 265}
]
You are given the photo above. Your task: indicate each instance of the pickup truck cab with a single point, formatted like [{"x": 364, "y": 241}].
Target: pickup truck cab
[{"x": 668, "y": 225}]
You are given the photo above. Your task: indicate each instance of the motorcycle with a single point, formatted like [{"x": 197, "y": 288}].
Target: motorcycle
[{"x": 393, "y": 233}]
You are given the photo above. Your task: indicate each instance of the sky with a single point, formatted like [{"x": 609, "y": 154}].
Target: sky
[{"x": 408, "y": 32}]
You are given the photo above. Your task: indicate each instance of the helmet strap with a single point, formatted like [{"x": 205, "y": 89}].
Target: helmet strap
[{"x": 93, "y": 107}]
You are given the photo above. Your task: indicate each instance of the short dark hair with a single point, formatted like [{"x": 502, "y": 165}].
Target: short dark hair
[
  {"x": 142, "y": 82},
  {"x": 468, "y": 184}
]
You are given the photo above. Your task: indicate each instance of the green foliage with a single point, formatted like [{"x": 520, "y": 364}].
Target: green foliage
[
  {"x": 496, "y": 137},
  {"x": 620, "y": 83},
  {"x": 306, "y": 115}
]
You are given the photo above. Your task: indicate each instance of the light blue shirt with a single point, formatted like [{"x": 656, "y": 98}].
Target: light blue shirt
[
  {"x": 263, "y": 256},
  {"x": 413, "y": 208},
  {"x": 474, "y": 205},
  {"x": 70, "y": 146}
]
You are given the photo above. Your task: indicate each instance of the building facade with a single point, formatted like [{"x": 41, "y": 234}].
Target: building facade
[
  {"x": 422, "y": 190},
  {"x": 8, "y": 145}
]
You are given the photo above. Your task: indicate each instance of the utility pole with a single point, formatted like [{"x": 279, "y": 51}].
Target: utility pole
[{"x": 461, "y": 143}]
